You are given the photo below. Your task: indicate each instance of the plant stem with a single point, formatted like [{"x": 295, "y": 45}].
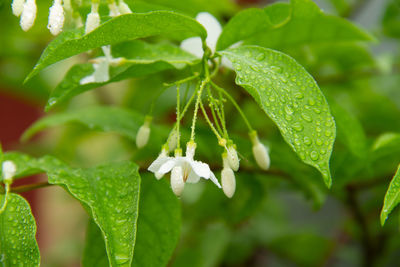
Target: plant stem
[
  {"x": 234, "y": 103},
  {"x": 209, "y": 122}
]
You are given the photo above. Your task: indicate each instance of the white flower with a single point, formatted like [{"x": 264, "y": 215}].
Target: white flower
[
  {"x": 192, "y": 170},
  {"x": 260, "y": 152},
  {"x": 177, "y": 182},
  {"x": 28, "y": 15},
  {"x": 56, "y": 18},
  {"x": 8, "y": 169},
  {"x": 227, "y": 177},
  {"x": 124, "y": 8},
  {"x": 194, "y": 45},
  {"x": 163, "y": 154},
  {"x": 101, "y": 67},
  {"x": 17, "y": 7},
  {"x": 93, "y": 19},
  {"x": 114, "y": 11}
]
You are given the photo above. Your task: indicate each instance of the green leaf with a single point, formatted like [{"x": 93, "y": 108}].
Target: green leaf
[
  {"x": 284, "y": 25},
  {"x": 140, "y": 59},
  {"x": 157, "y": 231},
  {"x": 117, "y": 30},
  {"x": 109, "y": 119},
  {"x": 391, "y": 19},
  {"x": 158, "y": 224},
  {"x": 110, "y": 194},
  {"x": 291, "y": 98},
  {"x": 94, "y": 253},
  {"x": 18, "y": 245},
  {"x": 392, "y": 197},
  {"x": 350, "y": 130}
]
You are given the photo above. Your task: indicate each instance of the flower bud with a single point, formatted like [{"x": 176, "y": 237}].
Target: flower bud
[
  {"x": 233, "y": 157},
  {"x": 28, "y": 15},
  {"x": 8, "y": 169},
  {"x": 190, "y": 149},
  {"x": 17, "y": 7},
  {"x": 227, "y": 177},
  {"x": 124, "y": 8},
  {"x": 172, "y": 140},
  {"x": 93, "y": 19},
  {"x": 228, "y": 182},
  {"x": 56, "y": 18},
  {"x": 163, "y": 154},
  {"x": 260, "y": 152},
  {"x": 177, "y": 182},
  {"x": 143, "y": 134},
  {"x": 114, "y": 11}
]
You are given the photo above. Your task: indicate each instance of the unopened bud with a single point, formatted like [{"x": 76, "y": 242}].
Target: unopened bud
[
  {"x": 172, "y": 140},
  {"x": 8, "y": 169},
  {"x": 56, "y": 18},
  {"x": 93, "y": 19},
  {"x": 28, "y": 15},
  {"x": 177, "y": 183},
  {"x": 114, "y": 11},
  {"x": 143, "y": 134},
  {"x": 190, "y": 149},
  {"x": 233, "y": 158},
  {"x": 260, "y": 152},
  {"x": 17, "y": 7},
  {"x": 228, "y": 178},
  {"x": 124, "y": 8}
]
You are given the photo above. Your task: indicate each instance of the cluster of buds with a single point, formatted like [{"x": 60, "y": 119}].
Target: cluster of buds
[{"x": 27, "y": 10}]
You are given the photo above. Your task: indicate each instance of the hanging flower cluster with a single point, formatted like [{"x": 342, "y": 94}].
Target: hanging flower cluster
[
  {"x": 185, "y": 169},
  {"x": 60, "y": 10}
]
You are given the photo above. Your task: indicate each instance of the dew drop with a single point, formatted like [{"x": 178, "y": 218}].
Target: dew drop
[
  {"x": 260, "y": 57},
  {"x": 311, "y": 101},
  {"x": 328, "y": 133},
  {"x": 298, "y": 95},
  {"x": 307, "y": 140},
  {"x": 306, "y": 117},
  {"x": 314, "y": 155},
  {"x": 289, "y": 110},
  {"x": 297, "y": 126},
  {"x": 319, "y": 142},
  {"x": 276, "y": 69}
]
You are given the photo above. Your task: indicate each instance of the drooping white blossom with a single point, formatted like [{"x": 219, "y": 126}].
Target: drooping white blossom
[
  {"x": 163, "y": 154},
  {"x": 28, "y": 15},
  {"x": 228, "y": 180},
  {"x": 93, "y": 19},
  {"x": 101, "y": 67},
  {"x": 56, "y": 18},
  {"x": 193, "y": 45},
  {"x": 260, "y": 152},
  {"x": 114, "y": 10},
  {"x": 124, "y": 8},
  {"x": 192, "y": 170},
  {"x": 177, "y": 182},
  {"x": 17, "y": 7},
  {"x": 8, "y": 170}
]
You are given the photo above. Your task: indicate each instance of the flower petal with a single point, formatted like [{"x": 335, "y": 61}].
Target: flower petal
[
  {"x": 200, "y": 169},
  {"x": 156, "y": 165},
  {"x": 167, "y": 166},
  {"x": 214, "y": 180},
  {"x": 193, "y": 177},
  {"x": 193, "y": 46},
  {"x": 212, "y": 26}
]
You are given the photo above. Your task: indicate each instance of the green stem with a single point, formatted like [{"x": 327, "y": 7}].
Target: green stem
[
  {"x": 209, "y": 122},
  {"x": 196, "y": 108},
  {"x": 3, "y": 207},
  {"x": 178, "y": 96},
  {"x": 234, "y": 103}
]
